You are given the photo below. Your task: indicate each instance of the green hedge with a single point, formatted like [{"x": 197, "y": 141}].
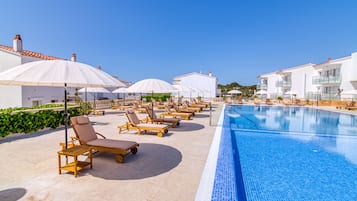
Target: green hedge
[
  {"x": 162, "y": 97},
  {"x": 27, "y": 122}
]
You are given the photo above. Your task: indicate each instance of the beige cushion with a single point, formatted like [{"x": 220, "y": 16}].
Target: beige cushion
[
  {"x": 132, "y": 117},
  {"x": 153, "y": 126},
  {"x": 117, "y": 144},
  {"x": 82, "y": 120},
  {"x": 84, "y": 130}
]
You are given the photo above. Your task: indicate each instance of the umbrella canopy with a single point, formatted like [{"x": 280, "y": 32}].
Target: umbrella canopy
[
  {"x": 182, "y": 88},
  {"x": 151, "y": 86},
  {"x": 58, "y": 73},
  {"x": 349, "y": 92},
  {"x": 121, "y": 90},
  {"x": 94, "y": 90},
  {"x": 234, "y": 92},
  {"x": 261, "y": 92},
  {"x": 291, "y": 93}
]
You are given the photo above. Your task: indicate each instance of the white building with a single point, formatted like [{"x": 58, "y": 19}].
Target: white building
[
  {"x": 206, "y": 84},
  {"x": 24, "y": 96},
  {"x": 325, "y": 80},
  {"x": 21, "y": 96}
]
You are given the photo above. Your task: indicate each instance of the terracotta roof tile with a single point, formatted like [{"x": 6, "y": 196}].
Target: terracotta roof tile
[{"x": 29, "y": 53}]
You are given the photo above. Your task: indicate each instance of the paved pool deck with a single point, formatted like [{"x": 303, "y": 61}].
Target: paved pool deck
[{"x": 167, "y": 168}]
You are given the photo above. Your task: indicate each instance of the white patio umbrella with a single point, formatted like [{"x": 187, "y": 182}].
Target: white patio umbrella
[
  {"x": 234, "y": 92},
  {"x": 93, "y": 90},
  {"x": 261, "y": 92},
  {"x": 182, "y": 89},
  {"x": 351, "y": 93},
  {"x": 121, "y": 90},
  {"x": 59, "y": 73},
  {"x": 291, "y": 93},
  {"x": 151, "y": 86}
]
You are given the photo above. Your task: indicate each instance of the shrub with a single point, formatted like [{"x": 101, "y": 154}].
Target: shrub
[{"x": 27, "y": 122}]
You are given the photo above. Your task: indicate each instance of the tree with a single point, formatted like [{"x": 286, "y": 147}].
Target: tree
[{"x": 247, "y": 91}]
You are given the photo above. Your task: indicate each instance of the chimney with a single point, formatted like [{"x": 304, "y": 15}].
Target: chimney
[
  {"x": 210, "y": 74},
  {"x": 99, "y": 67},
  {"x": 329, "y": 59},
  {"x": 17, "y": 43},
  {"x": 74, "y": 57}
]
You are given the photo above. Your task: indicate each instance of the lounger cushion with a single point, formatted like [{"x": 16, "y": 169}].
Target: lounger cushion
[
  {"x": 82, "y": 120},
  {"x": 117, "y": 144},
  {"x": 157, "y": 126},
  {"x": 133, "y": 118},
  {"x": 85, "y": 131}
]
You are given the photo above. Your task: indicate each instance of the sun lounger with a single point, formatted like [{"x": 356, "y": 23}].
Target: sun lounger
[
  {"x": 186, "y": 116},
  {"x": 154, "y": 119},
  {"x": 177, "y": 109},
  {"x": 159, "y": 104},
  {"x": 351, "y": 106},
  {"x": 199, "y": 102},
  {"x": 186, "y": 106},
  {"x": 139, "y": 108},
  {"x": 135, "y": 123},
  {"x": 87, "y": 136},
  {"x": 202, "y": 106}
]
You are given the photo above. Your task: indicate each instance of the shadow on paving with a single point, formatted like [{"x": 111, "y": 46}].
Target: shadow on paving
[
  {"x": 198, "y": 115},
  {"x": 12, "y": 194},
  {"x": 187, "y": 126},
  {"x": 99, "y": 123},
  {"x": 151, "y": 160}
]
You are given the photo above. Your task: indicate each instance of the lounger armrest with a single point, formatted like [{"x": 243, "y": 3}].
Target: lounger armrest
[{"x": 101, "y": 135}]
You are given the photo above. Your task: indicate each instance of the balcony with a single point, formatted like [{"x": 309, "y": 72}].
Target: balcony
[
  {"x": 329, "y": 96},
  {"x": 262, "y": 86},
  {"x": 326, "y": 80},
  {"x": 283, "y": 83}
]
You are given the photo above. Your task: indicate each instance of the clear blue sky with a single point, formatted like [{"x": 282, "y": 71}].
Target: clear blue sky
[{"x": 138, "y": 39}]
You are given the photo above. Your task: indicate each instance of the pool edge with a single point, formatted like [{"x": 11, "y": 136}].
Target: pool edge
[{"x": 205, "y": 188}]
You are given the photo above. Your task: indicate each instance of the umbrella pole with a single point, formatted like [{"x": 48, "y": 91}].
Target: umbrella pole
[
  {"x": 85, "y": 95},
  {"x": 152, "y": 102},
  {"x": 65, "y": 114},
  {"x": 94, "y": 106}
]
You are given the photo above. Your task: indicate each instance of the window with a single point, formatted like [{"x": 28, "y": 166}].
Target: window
[{"x": 36, "y": 103}]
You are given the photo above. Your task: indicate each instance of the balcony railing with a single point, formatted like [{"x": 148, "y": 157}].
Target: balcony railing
[
  {"x": 331, "y": 96},
  {"x": 326, "y": 80},
  {"x": 262, "y": 86},
  {"x": 283, "y": 83}
]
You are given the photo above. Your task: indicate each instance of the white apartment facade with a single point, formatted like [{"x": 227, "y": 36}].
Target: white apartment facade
[
  {"x": 325, "y": 81},
  {"x": 25, "y": 96},
  {"x": 22, "y": 96},
  {"x": 206, "y": 84}
]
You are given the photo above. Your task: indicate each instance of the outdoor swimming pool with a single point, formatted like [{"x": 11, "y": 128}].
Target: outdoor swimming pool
[{"x": 286, "y": 153}]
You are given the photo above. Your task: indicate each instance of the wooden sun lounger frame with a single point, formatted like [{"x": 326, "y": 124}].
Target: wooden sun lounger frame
[
  {"x": 184, "y": 115},
  {"x": 121, "y": 153},
  {"x": 145, "y": 126},
  {"x": 153, "y": 118}
]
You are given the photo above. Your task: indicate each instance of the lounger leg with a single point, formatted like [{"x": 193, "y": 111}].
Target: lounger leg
[{"x": 119, "y": 158}]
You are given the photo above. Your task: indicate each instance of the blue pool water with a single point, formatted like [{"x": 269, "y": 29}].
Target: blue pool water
[{"x": 286, "y": 153}]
